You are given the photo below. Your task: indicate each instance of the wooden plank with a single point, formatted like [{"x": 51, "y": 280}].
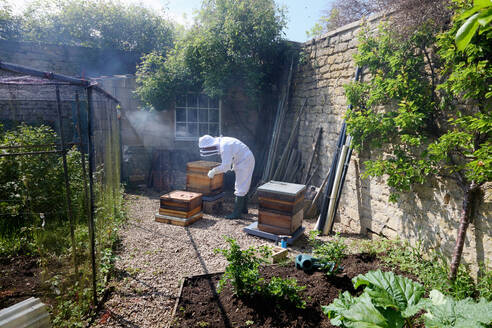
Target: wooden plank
[
  {"x": 316, "y": 141},
  {"x": 290, "y": 223},
  {"x": 180, "y": 214},
  {"x": 177, "y": 221}
]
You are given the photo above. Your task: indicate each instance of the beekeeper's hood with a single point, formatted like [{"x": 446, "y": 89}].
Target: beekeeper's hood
[{"x": 209, "y": 145}]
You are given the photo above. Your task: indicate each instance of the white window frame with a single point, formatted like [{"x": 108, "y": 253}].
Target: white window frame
[{"x": 176, "y": 107}]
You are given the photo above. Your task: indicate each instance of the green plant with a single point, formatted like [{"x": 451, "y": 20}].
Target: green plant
[
  {"x": 431, "y": 268},
  {"x": 242, "y": 270},
  {"x": 388, "y": 300},
  {"x": 484, "y": 282},
  {"x": 443, "y": 311},
  {"x": 243, "y": 275},
  {"x": 285, "y": 290},
  {"x": 330, "y": 254}
]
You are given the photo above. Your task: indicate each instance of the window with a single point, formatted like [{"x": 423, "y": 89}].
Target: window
[{"x": 196, "y": 115}]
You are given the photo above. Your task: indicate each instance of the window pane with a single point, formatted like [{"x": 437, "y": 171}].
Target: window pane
[
  {"x": 180, "y": 115},
  {"x": 181, "y": 130},
  {"x": 214, "y": 103},
  {"x": 214, "y": 129},
  {"x": 203, "y": 115},
  {"x": 213, "y": 115},
  {"x": 192, "y": 130},
  {"x": 203, "y": 129},
  {"x": 181, "y": 101},
  {"x": 203, "y": 101},
  {"x": 192, "y": 114},
  {"x": 192, "y": 100}
]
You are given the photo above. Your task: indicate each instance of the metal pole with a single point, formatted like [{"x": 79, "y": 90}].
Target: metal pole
[
  {"x": 67, "y": 182},
  {"x": 90, "y": 129},
  {"x": 82, "y": 153}
]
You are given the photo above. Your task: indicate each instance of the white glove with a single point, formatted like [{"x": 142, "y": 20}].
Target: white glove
[{"x": 211, "y": 173}]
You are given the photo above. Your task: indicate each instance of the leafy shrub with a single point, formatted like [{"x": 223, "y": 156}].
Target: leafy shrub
[
  {"x": 242, "y": 271},
  {"x": 285, "y": 289},
  {"x": 330, "y": 254},
  {"x": 243, "y": 275}
]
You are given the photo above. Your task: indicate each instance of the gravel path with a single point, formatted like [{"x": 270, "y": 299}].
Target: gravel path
[{"x": 155, "y": 256}]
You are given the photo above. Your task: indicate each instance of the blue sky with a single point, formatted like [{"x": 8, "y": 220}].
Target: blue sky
[{"x": 301, "y": 14}]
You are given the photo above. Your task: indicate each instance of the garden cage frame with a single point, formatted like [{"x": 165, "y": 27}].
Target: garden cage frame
[{"x": 83, "y": 116}]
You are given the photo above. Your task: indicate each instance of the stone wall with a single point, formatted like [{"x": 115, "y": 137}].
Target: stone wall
[
  {"x": 69, "y": 60},
  {"x": 429, "y": 214}
]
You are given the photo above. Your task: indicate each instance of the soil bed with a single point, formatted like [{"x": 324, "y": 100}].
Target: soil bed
[
  {"x": 19, "y": 280},
  {"x": 201, "y": 306}
]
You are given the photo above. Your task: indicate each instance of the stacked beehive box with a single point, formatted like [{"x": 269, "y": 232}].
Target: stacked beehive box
[
  {"x": 180, "y": 208},
  {"x": 280, "y": 207},
  {"x": 197, "y": 180}
]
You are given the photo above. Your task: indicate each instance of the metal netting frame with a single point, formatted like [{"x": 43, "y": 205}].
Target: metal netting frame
[{"x": 57, "y": 80}]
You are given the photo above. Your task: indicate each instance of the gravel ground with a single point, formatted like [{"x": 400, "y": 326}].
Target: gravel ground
[{"x": 154, "y": 257}]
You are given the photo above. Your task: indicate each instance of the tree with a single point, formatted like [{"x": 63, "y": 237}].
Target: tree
[
  {"x": 9, "y": 23},
  {"x": 409, "y": 14},
  {"x": 99, "y": 24},
  {"x": 231, "y": 43},
  {"x": 428, "y": 112}
]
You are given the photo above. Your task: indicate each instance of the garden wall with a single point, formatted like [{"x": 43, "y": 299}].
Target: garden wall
[
  {"x": 69, "y": 60},
  {"x": 429, "y": 214}
]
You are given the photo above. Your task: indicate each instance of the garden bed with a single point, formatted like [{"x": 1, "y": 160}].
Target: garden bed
[{"x": 199, "y": 305}]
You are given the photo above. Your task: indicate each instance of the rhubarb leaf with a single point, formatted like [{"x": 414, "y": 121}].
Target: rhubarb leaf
[
  {"x": 445, "y": 312},
  {"x": 388, "y": 290}
]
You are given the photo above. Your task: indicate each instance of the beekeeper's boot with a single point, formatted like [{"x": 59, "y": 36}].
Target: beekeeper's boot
[
  {"x": 245, "y": 205},
  {"x": 238, "y": 208}
]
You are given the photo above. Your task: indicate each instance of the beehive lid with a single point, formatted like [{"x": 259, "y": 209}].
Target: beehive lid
[
  {"x": 202, "y": 165},
  {"x": 181, "y": 196},
  {"x": 282, "y": 188}
]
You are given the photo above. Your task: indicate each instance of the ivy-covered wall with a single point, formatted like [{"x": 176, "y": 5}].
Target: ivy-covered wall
[{"x": 429, "y": 214}]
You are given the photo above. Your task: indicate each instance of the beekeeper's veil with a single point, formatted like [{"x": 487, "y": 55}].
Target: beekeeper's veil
[{"x": 209, "y": 145}]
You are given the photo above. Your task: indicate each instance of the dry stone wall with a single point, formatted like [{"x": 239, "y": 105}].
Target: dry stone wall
[{"x": 429, "y": 214}]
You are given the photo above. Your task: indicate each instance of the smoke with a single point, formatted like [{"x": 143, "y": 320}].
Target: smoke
[{"x": 150, "y": 128}]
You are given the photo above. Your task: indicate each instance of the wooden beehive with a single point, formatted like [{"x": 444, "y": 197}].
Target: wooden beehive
[
  {"x": 280, "y": 207},
  {"x": 197, "y": 179},
  {"x": 182, "y": 204}
]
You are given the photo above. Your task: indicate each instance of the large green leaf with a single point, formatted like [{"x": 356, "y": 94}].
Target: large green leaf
[
  {"x": 445, "y": 312},
  {"x": 334, "y": 310},
  {"x": 363, "y": 314},
  {"x": 466, "y": 31},
  {"x": 485, "y": 17},
  {"x": 388, "y": 290}
]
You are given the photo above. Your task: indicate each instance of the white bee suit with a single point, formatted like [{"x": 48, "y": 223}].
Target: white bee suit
[{"x": 236, "y": 156}]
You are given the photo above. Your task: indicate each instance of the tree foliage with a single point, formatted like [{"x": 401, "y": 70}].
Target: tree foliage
[
  {"x": 97, "y": 23},
  {"x": 231, "y": 43},
  {"x": 9, "y": 23},
  {"x": 409, "y": 14}
]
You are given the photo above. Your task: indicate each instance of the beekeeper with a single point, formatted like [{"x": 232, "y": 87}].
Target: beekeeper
[{"x": 235, "y": 156}]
